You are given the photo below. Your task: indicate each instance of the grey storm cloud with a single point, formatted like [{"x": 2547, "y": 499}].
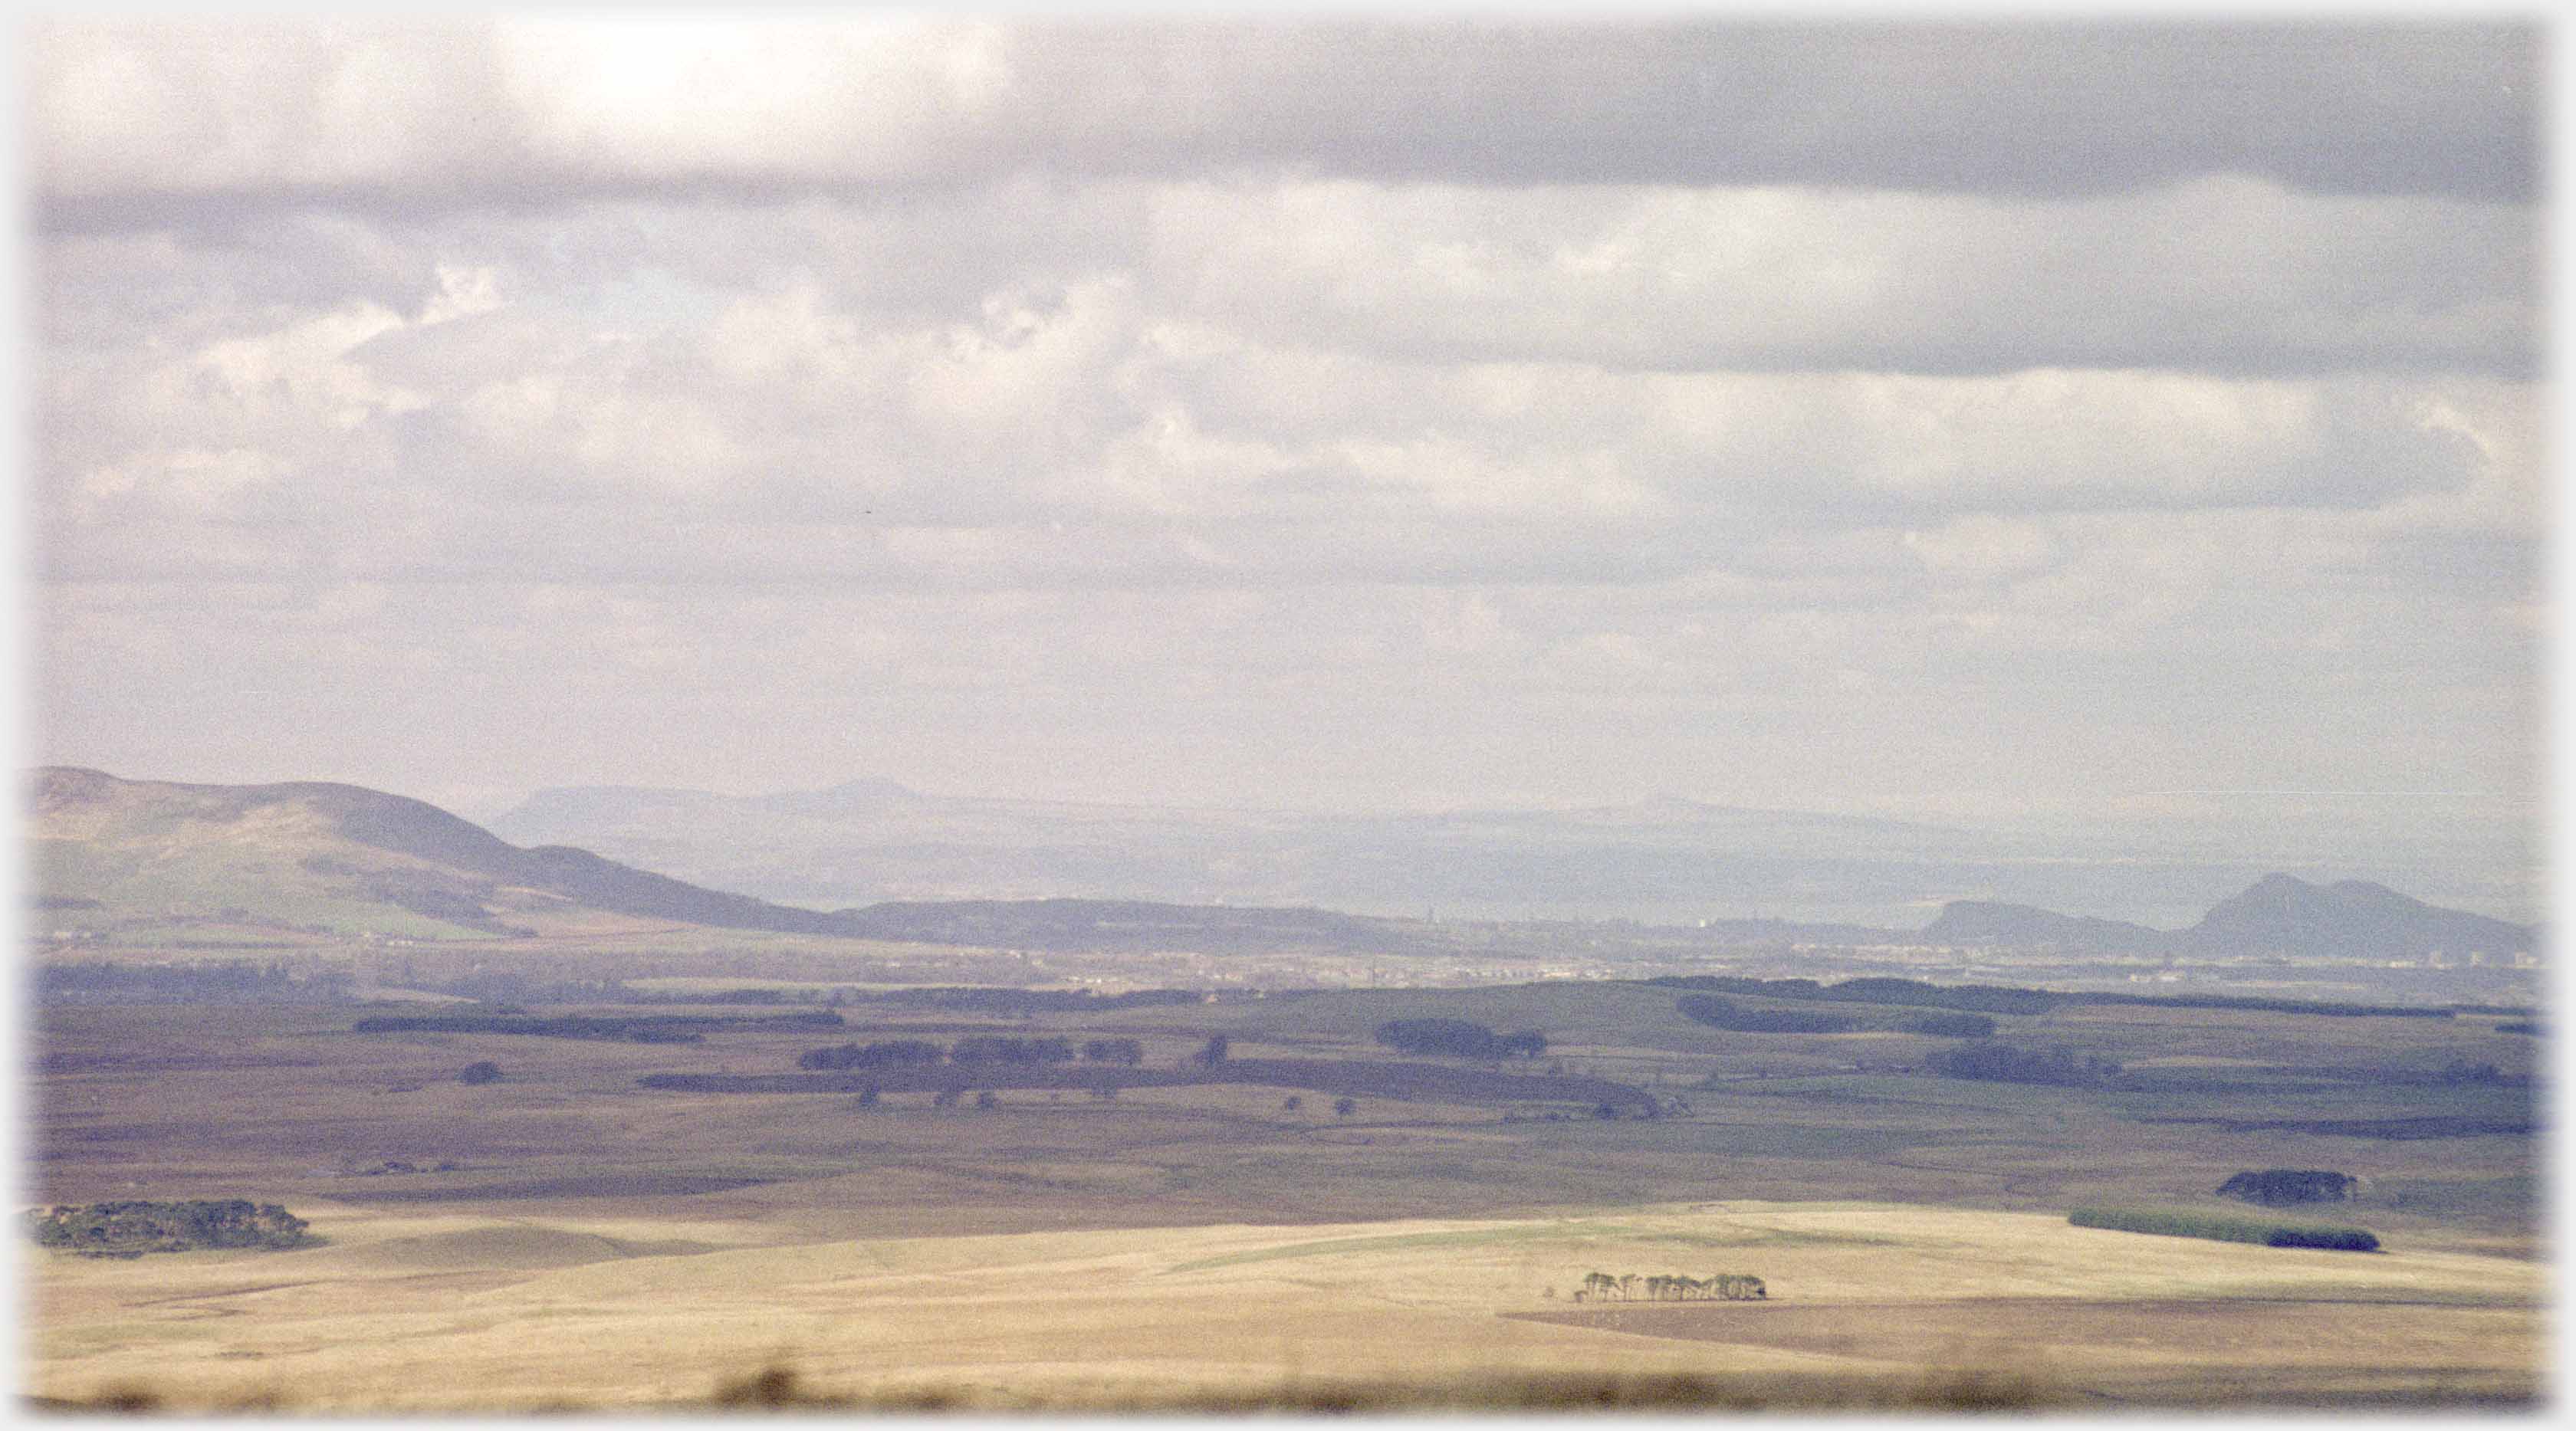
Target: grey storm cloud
[{"x": 130, "y": 120}]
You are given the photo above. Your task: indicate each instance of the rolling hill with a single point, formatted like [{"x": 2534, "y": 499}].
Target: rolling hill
[
  {"x": 2280, "y": 914},
  {"x": 341, "y": 858},
  {"x": 2291, "y": 916}
]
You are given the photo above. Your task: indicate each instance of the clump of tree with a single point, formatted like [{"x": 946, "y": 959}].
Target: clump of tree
[
  {"x": 1628, "y": 1286},
  {"x": 484, "y": 1071},
  {"x": 2003, "y": 1063},
  {"x": 2460, "y": 1070},
  {"x": 888, "y": 1053},
  {"x": 1113, "y": 1050},
  {"x": 1726, "y": 1014},
  {"x": 2180, "y": 1222},
  {"x": 1459, "y": 1038},
  {"x": 131, "y": 1229},
  {"x": 2284, "y": 1187},
  {"x": 993, "y": 1048}
]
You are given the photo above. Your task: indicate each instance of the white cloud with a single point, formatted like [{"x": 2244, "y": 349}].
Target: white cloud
[
  {"x": 1370, "y": 408},
  {"x": 2219, "y": 273}
]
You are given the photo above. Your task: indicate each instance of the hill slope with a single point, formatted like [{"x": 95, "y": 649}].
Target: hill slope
[
  {"x": 1972, "y": 921},
  {"x": 2351, "y": 917},
  {"x": 344, "y": 859},
  {"x": 341, "y": 858},
  {"x": 2280, "y": 914}
]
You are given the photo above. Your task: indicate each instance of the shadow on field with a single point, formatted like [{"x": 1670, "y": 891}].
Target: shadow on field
[
  {"x": 1968, "y": 1390},
  {"x": 780, "y": 1388}
]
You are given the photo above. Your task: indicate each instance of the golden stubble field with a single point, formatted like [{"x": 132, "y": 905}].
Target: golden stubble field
[
  {"x": 557, "y": 1306},
  {"x": 591, "y": 1242}
]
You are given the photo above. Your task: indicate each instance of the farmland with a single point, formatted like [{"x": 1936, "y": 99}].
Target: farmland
[{"x": 880, "y": 1238}]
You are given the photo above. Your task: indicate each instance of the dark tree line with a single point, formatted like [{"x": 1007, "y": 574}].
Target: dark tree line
[
  {"x": 2257, "y": 1003},
  {"x": 1030, "y": 1001},
  {"x": 990, "y": 1048},
  {"x": 1459, "y": 1038},
  {"x": 2002, "y": 1063},
  {"x": 891, "y": 1053},
  {"x": 1331, "y": 1077},
  {"x": 981, "y": 1049},
  {"x": 1726, "y": 1014},
  {"x": 1949, "y": 1025},
  {"x": 2185, "y": 1222}
]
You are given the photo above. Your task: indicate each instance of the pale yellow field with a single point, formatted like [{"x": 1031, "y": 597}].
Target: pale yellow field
[{"x": 414, "y": 1310}]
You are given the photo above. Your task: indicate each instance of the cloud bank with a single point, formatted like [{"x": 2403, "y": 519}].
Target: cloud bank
[{"x": 1924, "y": 418}]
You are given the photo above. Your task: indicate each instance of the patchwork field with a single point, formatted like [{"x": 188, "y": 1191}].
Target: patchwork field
[{"x": 569, "y": 1235}]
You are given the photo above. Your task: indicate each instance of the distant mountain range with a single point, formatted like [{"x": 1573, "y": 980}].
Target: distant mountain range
[
  {"x": 2278, "y": 915},
  {"x": 345, "y": 859},
  {"x": 1664, "y": 860}
]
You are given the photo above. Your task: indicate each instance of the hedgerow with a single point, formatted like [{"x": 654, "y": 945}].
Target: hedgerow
[{"x": 2184, "y": 1222}]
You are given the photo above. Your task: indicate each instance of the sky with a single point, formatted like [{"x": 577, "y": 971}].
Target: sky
[{"x": 1967, "y": 421}]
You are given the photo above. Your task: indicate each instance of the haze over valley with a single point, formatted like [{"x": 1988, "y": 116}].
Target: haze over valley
[
  {"x": 1286, "y": 713},
  {"x": 1664, "y": 859},
  {"x": 143, "y": 865}
]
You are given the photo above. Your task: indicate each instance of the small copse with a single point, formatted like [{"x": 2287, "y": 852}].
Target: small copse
[
  {"x": 2285, "y": 1187},
  {"x": 1726, "y": 1014},
  {"x": 130, "y": 1229},
  {"x": 1458, "y": 1038},
  {"x": 2002, "y": 1063}
]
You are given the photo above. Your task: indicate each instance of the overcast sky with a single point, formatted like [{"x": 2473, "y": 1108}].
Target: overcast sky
[{"x": 1941, "y": 421}]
